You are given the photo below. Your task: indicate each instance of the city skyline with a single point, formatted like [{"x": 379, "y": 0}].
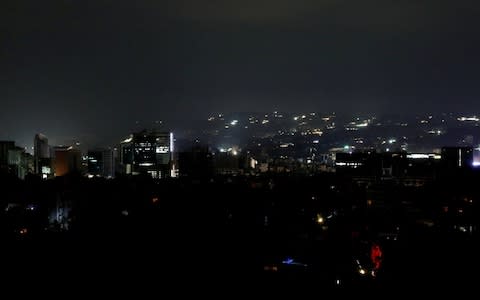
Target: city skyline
[
  {"x": 87, "y": 68},
  {"x": 427, "y": 132},
  {"x": 314, "y": 146}
]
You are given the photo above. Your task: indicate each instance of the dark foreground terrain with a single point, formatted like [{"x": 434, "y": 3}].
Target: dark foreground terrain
[{"x": 232, "y": 235}]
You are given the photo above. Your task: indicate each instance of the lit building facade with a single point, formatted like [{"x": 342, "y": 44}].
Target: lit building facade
[{"x": 149, "y": 153}]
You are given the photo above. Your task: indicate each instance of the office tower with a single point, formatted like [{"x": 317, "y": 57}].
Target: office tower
[
  {"x": 41, "y": 156},
  {"x": 101, "y": 163},
  {"x": 149, "y": 153}
]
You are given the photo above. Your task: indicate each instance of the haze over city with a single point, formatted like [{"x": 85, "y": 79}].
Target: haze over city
[{"x": 93, "y": 68}]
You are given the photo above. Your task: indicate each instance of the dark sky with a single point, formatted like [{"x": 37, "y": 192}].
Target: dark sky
[{"x": 88, "y": 69}]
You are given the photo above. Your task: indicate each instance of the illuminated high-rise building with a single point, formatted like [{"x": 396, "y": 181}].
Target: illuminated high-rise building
[{"x": 149, "y": 153}]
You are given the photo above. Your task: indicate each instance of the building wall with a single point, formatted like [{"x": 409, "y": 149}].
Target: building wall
[
  {"x": 108, "y": 163},
  {"x": 148, "y": 153},
  {"x": 41, "y": 152},
  {"x": 5, "y": 146},
  {"x": 101, "y": 163},
  {"x": 67, "y": 161}
]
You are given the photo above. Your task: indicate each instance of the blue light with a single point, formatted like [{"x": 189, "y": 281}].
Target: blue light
[
  {"x": 291, "y": 262},
  {"x": 288, "y": 261}
]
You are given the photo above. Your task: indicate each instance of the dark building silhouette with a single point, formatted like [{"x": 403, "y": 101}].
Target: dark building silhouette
[
  {"x": 457, "y": 157},
  {"x": 412, "y": 169},
  {"x": 95, "y": 162},
  {"x": 101, "y": 163},
  {"x": 5, "y": 147},
  {"x": 41, "y": 156},
  {"x": 20, "y": 162},
  {"x": 227, "y": 163},
  {"x": 196, "y": 163},
  {"x": 14, "y": 160}
]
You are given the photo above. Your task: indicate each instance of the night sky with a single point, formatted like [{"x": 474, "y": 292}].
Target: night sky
[{"x": 88, "y": 69}]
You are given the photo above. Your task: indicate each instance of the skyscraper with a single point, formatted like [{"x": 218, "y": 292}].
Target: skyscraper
[
  {"x": 5, "y": 147},
  {"x": 149, "y": 152},
  {"x": 41, "y": 155},
  {"x": 101, "y": 163}
]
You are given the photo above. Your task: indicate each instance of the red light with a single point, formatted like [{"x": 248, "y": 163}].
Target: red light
[{"x": 376, "y": 255}]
